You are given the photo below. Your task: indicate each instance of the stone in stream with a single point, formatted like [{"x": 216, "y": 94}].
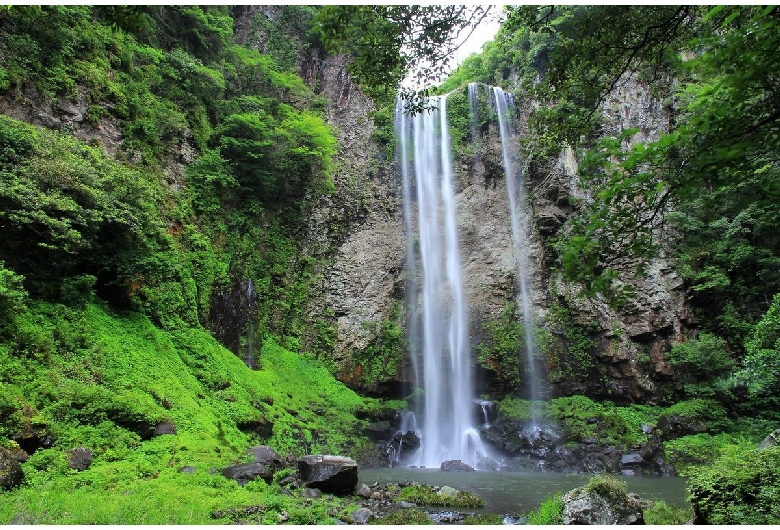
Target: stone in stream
[
  {"x": 455, "y": 465},
  {"x": 331, "y": 474}
]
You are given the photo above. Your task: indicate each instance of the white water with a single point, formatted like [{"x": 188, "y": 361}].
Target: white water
[
  {"x": 517, "y": 209},
  {"x": 446, "y": 377}
]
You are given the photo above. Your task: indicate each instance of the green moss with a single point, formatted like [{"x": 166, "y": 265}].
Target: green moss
[
  {"x": 568, "y": 347},
  {"x": 404, "y": 516},
  {"x": 105, "y": 382},
  {"x": 430, "y": 496}
]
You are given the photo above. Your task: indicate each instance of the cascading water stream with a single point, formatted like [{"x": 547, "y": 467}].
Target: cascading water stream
[
  {"x": 518, "y": 214},
  {"x": 446, "y": 416}
]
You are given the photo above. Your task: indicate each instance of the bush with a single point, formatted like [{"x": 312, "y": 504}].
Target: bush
[
  {"x": 741, "y": 487},
  {"x": 662, "y": 513}
]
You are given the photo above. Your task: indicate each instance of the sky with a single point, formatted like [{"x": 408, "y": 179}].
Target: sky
[{"x": 484, "y": 32}]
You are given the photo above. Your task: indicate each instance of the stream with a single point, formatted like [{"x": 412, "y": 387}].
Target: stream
[{"x": 515, "y": 493}]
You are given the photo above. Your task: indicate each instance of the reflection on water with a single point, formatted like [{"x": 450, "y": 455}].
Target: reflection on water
[{"x": 507, "y": 492}]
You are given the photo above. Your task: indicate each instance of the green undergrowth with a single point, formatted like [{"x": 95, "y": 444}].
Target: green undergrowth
[
  {"x": 404, "y": 516},
  {"x": 430, "y": 496},
  {"x": 103, "y": 380},
  {"x": 549, "y": 512}
]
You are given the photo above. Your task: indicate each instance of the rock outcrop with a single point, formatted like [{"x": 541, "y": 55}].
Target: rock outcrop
[
  {"x": 581, "y": 506},
  {"x": 11, "y": 473}
]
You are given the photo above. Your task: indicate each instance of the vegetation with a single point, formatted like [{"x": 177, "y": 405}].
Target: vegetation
[
  {"x": 117, "y": 257},
  {"x": 739, "y": 488},
  {"x": 550, "y": 512},
  {"x": 432, "y": 496}
]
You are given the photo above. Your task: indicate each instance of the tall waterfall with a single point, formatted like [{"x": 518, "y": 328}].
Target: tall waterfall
[
  {"x": 516, "y": 193},
  {"x": 447, "y": 430}
]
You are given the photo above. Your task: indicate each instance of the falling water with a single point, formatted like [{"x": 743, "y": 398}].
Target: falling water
[
  {"x": 447, "y": 431},
  {"x": 250, "y": 293},
  {"x": 517, "y": 204}
]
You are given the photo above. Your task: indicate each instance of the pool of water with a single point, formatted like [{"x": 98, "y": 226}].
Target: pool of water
[{"x": 515, "y": 493}]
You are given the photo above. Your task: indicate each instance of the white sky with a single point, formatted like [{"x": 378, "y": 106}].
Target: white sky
[{"x": 485, "y": 31}]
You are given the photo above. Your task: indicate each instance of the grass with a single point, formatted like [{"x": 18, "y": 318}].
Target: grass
[
  {"x": 430, "y": 496},
  {"x": 107, "y": 378}
]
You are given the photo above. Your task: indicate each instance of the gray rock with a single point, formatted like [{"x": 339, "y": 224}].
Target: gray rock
[
  {"x": 380, "y": 431},
  {"x": 263, "y": 454},
  {"x": 165, "y": 427},
  {"x": 243, "y": 473},
  {"x": 363, "y": 491},
  {"x": 455, "y": 466},
  {"x": 187, "y": 469},
  {"x": 80, "y": 458},
  {"x": 311, "y": 493},
  {"x": 772, "y": 440},
  {"x": 447, "y": 491},
  {"x": 11, "y": 473},
  {"x": 585, "y": 507},
  {"x": 632, "y": 458},
  {"x": 361, "y": 516},
  {"x": 331, "y": 474}
]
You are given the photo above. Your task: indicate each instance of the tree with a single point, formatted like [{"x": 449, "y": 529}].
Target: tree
[{"x": 384, "y": 42}]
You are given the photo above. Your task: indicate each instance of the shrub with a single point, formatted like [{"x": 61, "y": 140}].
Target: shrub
[
  {"x": 661, "y": 513},
  {"x": 741, "y": 487}
]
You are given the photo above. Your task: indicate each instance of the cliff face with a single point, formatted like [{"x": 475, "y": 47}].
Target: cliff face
[
  {"x": 358, "y": 238},
  {"x": 628, "y": 343},
  {"x": 358, "y": 232}
]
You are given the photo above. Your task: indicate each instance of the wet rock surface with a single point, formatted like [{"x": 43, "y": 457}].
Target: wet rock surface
[{"x": 331, "y": 474}]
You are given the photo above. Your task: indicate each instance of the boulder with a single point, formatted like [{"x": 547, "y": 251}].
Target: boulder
[
  {"x": 262, "y": 454},
  {"x": 363, "y": 491},
  {"x": 311, "y": 493},
  {"x": 243, "y": 473},
  {"x": 674, "y": 426},
  {"x": 380, "y": 431},
  {"x": 331, "y": 474},
  {"x": 164, "y": 427},
  {"x": 80, "y": 458},
  {"x": 361, "y": 516},
  {"x": 772, "y": 440},
  {"x": 11, "y": 473},
  {"x": 581, "y": 506},
  {"x": 455, "y": 466}
]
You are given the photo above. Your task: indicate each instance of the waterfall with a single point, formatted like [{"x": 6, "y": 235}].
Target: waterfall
[
  {"x": 444, "y": 368},
  {"x": 250, "y": 294},
  {"x": 518, "y": 213}
]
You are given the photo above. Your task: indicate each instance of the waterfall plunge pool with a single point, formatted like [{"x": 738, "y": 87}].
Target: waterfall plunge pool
[{"x": 517, "y": 493}]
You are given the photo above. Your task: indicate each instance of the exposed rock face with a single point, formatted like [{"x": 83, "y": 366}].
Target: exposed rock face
[
  {"x": 330, "y": 474},
  {"x": 11, "y": 473}
]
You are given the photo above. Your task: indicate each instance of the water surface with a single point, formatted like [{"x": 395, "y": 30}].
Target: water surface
[{"x": 515, "y": 493}]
